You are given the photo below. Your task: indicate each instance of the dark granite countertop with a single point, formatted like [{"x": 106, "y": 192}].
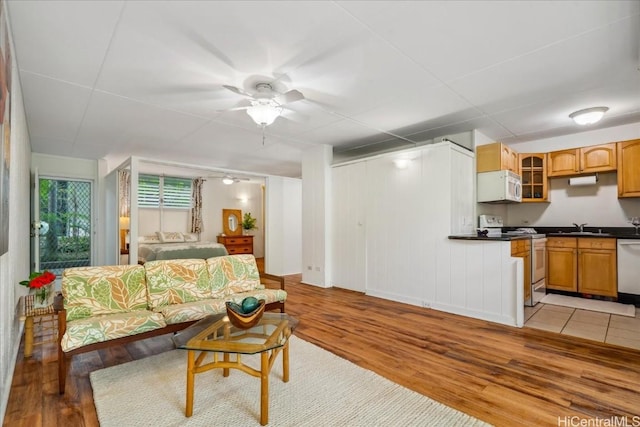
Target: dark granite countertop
[
  {"x": 501, "y": 237},
  {"x": 597, "y": 232}
]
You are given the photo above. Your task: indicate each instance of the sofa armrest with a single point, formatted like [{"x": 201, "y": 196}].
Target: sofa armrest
[{"x": 272, "y": 277}]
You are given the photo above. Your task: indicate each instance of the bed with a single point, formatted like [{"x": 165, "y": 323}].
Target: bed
[{"x": 151, "y": 248}]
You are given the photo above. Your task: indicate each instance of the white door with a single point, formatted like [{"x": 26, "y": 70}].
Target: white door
[
  {"x": 63, "y": 220},
  {"x": 35, "y": 222},
  {"x": 348, "y": 227}
]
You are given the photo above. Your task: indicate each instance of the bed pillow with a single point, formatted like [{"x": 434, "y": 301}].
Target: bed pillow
[
  {"x": 170, "y": 236},
  {"x": 148, "y": 240},
  {"x": 190, "y": 237}
]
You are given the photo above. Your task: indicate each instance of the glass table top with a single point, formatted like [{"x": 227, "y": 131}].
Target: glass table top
[{"x": 216, "y": 333}]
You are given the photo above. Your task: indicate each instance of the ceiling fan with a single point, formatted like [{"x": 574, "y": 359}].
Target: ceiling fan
[
  {"x": 266, "y": 103},
  {"x": 229, "y": 179}
]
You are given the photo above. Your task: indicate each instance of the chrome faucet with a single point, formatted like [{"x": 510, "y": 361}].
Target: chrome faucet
[{"x": 580, "y": 227}]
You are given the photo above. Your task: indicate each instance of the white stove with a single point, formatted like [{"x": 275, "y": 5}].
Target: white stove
[{"x": 492, "y": 224}]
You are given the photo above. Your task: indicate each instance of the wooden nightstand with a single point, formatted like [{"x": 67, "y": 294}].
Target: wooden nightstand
[{"x": 237, "y": 244}]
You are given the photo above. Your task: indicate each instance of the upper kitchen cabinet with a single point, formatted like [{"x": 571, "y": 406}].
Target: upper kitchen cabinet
[
  {"x": 495, "y": 157},
  {"x": 576, "y": 161},
  {"x": 628, "y": 168},
  {"x": 533, "y": 170}
]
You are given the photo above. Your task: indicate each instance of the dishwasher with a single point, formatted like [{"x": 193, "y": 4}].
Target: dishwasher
[{"x": 629, "y": 271}]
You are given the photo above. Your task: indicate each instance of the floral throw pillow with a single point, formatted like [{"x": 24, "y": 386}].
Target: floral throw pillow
[
  {"x": 190, "y": 237},
  {"x": 170, "y": 236}
]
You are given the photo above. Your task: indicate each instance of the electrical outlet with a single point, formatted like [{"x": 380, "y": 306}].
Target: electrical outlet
[
  {"x": 309, "y": 267},
  {"x": 317, "y": 268}
]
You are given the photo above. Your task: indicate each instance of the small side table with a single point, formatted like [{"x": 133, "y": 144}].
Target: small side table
[{"x": 29, "y": 314}]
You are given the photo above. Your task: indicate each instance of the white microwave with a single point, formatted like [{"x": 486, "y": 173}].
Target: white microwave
[{"x": 499, "y": 187}]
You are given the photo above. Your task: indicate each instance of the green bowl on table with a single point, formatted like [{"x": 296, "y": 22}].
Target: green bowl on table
[{"x": 246, "y": 314}]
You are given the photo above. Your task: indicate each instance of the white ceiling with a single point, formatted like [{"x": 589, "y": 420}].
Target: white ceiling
[{"x": 111, "y": 79}]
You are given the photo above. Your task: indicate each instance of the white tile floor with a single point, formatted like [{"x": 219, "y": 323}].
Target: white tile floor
[{"x": 610, "y": 328}]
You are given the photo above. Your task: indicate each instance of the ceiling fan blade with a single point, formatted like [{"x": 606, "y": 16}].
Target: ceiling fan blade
[
  {"x": 288, "y": 97},
  {"x": 237, "y": 90},
  {"x": 232, "y": 109}
]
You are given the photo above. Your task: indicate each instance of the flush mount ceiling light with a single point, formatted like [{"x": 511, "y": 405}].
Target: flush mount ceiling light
[
  {"x": 227, "y": 180},
  {"x": 588, "y": 116},
  {"x": 264, "y": 111}
]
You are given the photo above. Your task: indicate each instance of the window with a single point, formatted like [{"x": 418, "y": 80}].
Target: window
[{"x": 169, "y": 191}]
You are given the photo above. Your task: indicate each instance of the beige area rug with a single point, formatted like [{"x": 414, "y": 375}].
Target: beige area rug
[
  {"x": 323, "y": 390},
  {"x": 610, "y": 307}
]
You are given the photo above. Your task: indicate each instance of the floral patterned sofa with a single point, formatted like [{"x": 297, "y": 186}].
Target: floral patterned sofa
[{"x": 107, "y": 305}]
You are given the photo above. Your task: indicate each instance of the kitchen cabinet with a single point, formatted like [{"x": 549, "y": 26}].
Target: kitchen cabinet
[
  {"x": 237, "y": 244},
  {"x": 576, "y": 161},
  {"x": 533, "y": 171},
  {"x": 583, "y": 265},
  {"x": 562, "y": 264},
  {"x": 628, "y": 169},
  {"x": 495, "y": 157},
  {"x": 522, "y": 249},
  {"x": 597, "y": 267}
]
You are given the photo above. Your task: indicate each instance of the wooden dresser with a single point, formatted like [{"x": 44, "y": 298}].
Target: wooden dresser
[{"x": 237, "y": 244}]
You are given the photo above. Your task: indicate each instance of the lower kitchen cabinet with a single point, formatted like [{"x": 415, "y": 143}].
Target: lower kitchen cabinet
[
  {"x": 597, "y": 267},
  {"x": 562, "y": 264},
  {"x": 583, "y": 265},
  {"x": 522, "y": 249}
]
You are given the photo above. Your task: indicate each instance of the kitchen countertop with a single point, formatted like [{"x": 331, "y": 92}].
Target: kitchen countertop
[
  {"x": 501, "y": 237},
  {"x": 602, "y": 232}
]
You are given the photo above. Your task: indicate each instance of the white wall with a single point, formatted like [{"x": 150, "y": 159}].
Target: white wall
[
  {"x": 14, "y": 264},
  {"x": 316, "y": 215},
  {"x": 284, "y": 226}
]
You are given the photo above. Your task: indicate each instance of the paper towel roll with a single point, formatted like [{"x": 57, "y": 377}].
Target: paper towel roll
[{"x": 583, "y": 180}]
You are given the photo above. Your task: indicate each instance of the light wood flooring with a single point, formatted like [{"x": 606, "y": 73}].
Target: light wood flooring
[{"x": 505, "y": 376}]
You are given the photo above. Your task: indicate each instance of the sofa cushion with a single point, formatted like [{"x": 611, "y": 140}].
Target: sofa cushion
[
  {"x": 110, "y": 326},
  {"x": 93, "y": 291},
  {"x": 200, "y": 309},
  {"x": 232, "y": 274},
  {"x": 176, "y": 281},
  {"x": 196, "y": 310}
]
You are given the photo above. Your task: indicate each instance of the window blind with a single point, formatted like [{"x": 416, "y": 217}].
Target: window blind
[{"x": 172, "y": 192}]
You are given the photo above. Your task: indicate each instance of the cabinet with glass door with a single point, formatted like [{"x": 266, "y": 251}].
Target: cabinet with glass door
[{"x": 533, "y": 171}]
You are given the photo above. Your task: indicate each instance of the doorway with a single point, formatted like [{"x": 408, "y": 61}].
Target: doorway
[{"x": 63, "y": 215}]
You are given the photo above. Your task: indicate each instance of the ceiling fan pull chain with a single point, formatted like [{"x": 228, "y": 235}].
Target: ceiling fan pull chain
[{"x": 263, "y": 126}]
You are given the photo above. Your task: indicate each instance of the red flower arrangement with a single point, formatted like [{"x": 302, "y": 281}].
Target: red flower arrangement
[{"x": 38, "y": 279}]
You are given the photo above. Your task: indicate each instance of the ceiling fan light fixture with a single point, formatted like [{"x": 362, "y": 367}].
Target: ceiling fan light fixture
[
  {"x": 227, "y": 180},
  {"x": 263, "y": 113},
  {"x": 588, "y": 116}
]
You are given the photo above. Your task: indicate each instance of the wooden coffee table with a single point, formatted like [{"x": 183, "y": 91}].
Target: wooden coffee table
[{"x": 215, "y": 334}]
